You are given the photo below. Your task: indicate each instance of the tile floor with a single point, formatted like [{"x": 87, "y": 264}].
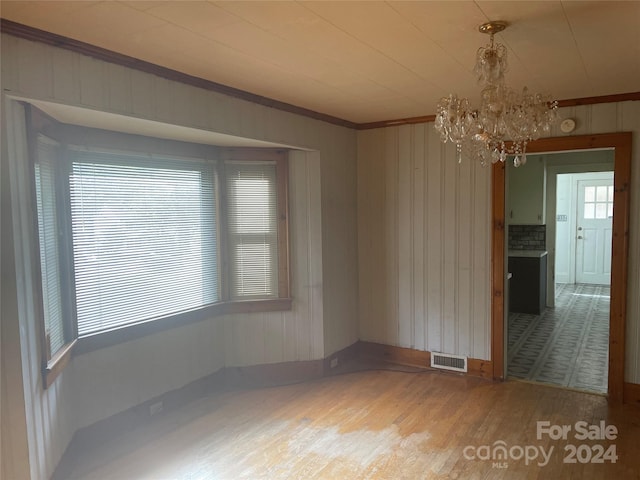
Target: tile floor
[{"x": 567, "y": 345}]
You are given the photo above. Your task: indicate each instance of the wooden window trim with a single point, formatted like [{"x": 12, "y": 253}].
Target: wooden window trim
[
  {"x": 284, "y": 272},
  {"x": 279, "y": 156}
]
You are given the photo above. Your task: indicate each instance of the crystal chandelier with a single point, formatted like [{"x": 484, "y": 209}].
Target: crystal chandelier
[{"x": 505, "y": 122}]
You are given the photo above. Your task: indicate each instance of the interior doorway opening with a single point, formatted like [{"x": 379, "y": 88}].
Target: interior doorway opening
[
  {"x": 620, "y": 144},
  {"x": 558, "y": 334}
]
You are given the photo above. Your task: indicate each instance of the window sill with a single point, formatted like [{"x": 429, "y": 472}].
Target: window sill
[
  {"x": 100, "y": 340},
  {"x": 57, "y": 363}
]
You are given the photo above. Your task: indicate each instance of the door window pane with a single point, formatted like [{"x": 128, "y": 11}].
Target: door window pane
[
  {"x": 589, "y": 194},
  {"x": 589, "y": 210}
]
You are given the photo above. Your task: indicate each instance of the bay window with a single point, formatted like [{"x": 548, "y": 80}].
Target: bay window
[{"x": 137, "y": 233}]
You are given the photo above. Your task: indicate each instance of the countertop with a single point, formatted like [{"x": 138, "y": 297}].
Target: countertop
[{"x": 527, "y": 253}]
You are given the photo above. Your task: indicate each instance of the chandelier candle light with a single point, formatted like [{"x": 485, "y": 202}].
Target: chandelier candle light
[{"x": 505, "y": 122}]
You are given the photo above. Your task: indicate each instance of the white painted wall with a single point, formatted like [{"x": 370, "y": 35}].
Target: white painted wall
[
  {"x": 338, "y": 172},
  {"x": 13, "y": 433},
  {"x": 424, "y": 242},
  {"x": 98, "y": 384},
  {"x": 564, "y": 204}
]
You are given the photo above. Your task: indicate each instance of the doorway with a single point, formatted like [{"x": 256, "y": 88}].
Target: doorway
[
  {"x": 564, "y": 342},
  {"x": 584, "y": 227},
  {"x": 620, "y": 143},
  {"x": 595, "y": 220}
]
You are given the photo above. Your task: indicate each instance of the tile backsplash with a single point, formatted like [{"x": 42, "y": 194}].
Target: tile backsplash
[{"x": 527, "y": 237}]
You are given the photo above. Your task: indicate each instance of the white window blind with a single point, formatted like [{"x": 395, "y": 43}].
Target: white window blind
[
  {"x": 144, "y": 238},
  {"x": 253, "y": 229},
  {"x": 48, "y": 236}
]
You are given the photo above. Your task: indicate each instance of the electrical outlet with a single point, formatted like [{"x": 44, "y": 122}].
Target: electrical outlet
[
  {"x": 334, "y": 362},
  {"x": 155, "y": 408}
]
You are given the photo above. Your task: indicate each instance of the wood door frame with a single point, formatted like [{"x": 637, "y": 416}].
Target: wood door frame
[{"x": 621, "y": 144}]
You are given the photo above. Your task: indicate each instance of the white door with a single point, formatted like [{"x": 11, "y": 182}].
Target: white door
[{"x": 594, "y": 231}]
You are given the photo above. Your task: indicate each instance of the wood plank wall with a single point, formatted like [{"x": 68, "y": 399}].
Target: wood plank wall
[
  {"x": 98, "y": 384},
  {"x": 271, "y": 337},
  {"x": 424, "y": 244},
  {"x": 424, "y": 239}
]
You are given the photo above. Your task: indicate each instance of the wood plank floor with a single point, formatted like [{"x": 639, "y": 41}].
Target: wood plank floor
[{"x": 375, "y": 424}]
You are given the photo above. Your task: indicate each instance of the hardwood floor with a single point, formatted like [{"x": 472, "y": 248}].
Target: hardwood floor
[{"x": 375, "y": 424}]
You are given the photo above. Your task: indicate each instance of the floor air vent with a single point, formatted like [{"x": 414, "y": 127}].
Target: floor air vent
[{"x": 457, "y": 363}]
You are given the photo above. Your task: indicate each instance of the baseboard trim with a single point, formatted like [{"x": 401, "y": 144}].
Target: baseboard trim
[
  {"x": 227, "y": 378},
  {"x": 420, "y": 358},
  {"x": 272, "y": 374},
  {"x": 480, "y": 368},
  {"x": 399, "y": 355},
  {"x": 252, "y": 376},
  {"x": 95, "y": 434},
  {"x": 631, "y": 393},
  {"x": 340, "y": 357}
]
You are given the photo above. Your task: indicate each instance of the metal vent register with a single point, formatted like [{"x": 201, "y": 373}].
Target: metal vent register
[{"x": 446, "y": 361}]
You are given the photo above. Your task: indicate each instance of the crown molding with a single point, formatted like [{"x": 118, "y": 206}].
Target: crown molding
[
  {"x": 572, "y": 102},
  {"x": 36, "y": 35},
  {"x": 42, "y": 36}
]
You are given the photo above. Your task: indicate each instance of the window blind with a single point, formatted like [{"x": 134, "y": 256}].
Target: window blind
[
  {"x": 144, "y": 238},
  {"x": 252, "y": 229},
  {"x": 48, "y": 236}
]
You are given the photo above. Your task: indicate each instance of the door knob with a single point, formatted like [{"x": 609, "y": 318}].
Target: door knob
[
  {"x": 579, "y": 237},
  {"x": 579, "y": 228}
]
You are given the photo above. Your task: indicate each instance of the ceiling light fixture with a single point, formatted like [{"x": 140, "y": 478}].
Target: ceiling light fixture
[{"x": 505, "y": 122}]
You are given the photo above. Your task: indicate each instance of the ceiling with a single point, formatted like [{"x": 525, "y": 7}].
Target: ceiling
[{"x": 361, "y": 61}]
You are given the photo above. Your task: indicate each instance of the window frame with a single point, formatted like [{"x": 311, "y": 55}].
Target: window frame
[
  {"x": 282, "y": 207},
  {"x": 204, "y": 167},
  {"x": 40, "y": 123}
]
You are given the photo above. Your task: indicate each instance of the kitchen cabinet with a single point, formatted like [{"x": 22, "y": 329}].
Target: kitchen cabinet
[
  {"x": 527, "y": 191},
  {"x": 528, "y": 284}
]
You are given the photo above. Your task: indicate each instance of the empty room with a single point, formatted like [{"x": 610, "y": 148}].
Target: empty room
[{"x": 320, "y": 240}]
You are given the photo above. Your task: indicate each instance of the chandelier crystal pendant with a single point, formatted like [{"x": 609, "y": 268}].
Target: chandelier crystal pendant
[{"x": 505, "y": 121}]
